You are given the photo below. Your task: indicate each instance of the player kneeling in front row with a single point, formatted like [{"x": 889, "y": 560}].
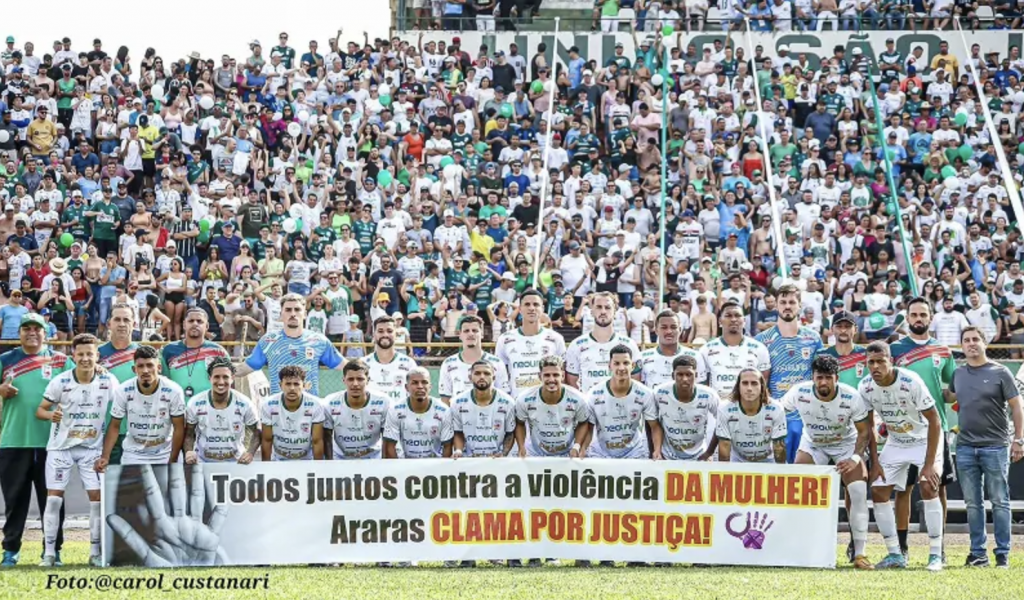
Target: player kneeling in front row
[
  {"x": 220, "y": 423},
  {"x": 293, "y": 420},
  {"x": 750, "y": 427},
  {"x": 685, "y": 408},
  {"x": 75, "y": 403},
  {"x": 915, "y": 438},
  {"x": 837, "y": 430},
  {"x": 421, "y": 426}
]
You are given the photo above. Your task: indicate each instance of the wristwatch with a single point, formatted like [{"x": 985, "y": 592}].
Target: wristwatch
[{"x": 1019, "y": 442}]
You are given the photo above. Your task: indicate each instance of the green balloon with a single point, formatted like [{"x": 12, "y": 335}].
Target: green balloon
[
  {"x": 537, "y": 86},
  {"x": 506, "y": 110},
  {"x": 891, "y": 154},
  {"x": 385, "y": 100},
  {"x": 876, "y": 321},
  {"x": 66, "y": 239},
  {"x": 298, "y": 225},
  {"x": 667, "y": 30},
  {"x": 1020, "y": 149},
  {"x": 960, "y": 119},
  {"x": 966, "y": 152},
  {"x": 384, "y": 178},
  {"x": 204, "y": 226},
  {"x": 447, "y": 161},
  {"x": 947, "y": 172},
  {"x": 204, "y": 236}
]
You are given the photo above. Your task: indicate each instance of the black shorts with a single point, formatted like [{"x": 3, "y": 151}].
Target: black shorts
[
  {"x": 149, "y": 167},
  {"x": 948, "y": 474}
]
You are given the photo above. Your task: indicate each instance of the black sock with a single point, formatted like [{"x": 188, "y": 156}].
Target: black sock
[{"x": 902, "y": 535}]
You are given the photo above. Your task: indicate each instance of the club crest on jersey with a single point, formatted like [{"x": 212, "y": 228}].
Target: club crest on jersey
[
  {"x": 768, "y": 430},
  {"x": 806, "y": 353},
  {"x": 310, "y": 353},
  {"x": 634, "y": 415},
  {"x": 237, "y": 427},
  {"x": 305, "y": 428},
  {"x": 433, "y": 431},
  {"x": 936, "y": 360},
  {"x": 566, "y": 421},
  {"x": 497, "y": 425},
  {"x": 163, "y": 413},
  {"x": 859, "y": 370}
]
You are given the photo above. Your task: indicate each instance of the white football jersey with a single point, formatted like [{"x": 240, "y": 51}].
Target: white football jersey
[
  {"x": 454, "y": 375},
  {"x": 356, "y": 431},
  {"x": 390, "y": 378},
  {"x": 292, "y": 430},
  {"x": 484, "y": 427},
  {"x": 84, "y": 408},
  {"x": 522, "y": 353},
  {"x": 220, "y": 433},
  {"x": 724, "y": 362},
  {"x": 751, "y": 437},
  {"x": 656, "y": 368},
  {"x": 551, "y": 428},
  {"x": 685, "y": 424},
  {"x": 419, "y": 435},
  {"x": 828, "y": 425},
  {"x": 619, "y": 423},
  {"x": 900, "y": 406},
  {"x": 588, "y": 358},
  {"x": 148, "y": 420}
]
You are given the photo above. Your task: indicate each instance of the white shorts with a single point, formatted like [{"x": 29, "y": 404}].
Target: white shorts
[
  {"x": 896, "y": 461},
  {"x": 60, "y": 462},
  {"x": 826, "y": 456}
]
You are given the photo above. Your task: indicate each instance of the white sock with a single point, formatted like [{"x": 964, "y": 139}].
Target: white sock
[
  {"x": 885, "y": 518},
  {"x": 95, "y": 522},
  {"x": 858, "y": 492},
  {"x": 933, "y": 520},
  {"x": 51, "y": 524}
]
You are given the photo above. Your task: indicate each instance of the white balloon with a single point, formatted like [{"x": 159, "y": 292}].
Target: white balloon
[
  {"x": 657, "y": 80},
  {"x": 952, "y": 183},
  {"x": 206, "y": 103},
  {"x": 289, "y": 225},
  {"x": 303, "y": 116},
  {"x": 157, "y": 91},
  {"x": 548, "y": 85},
  {"x": 294, "y": 129},
  {"x": 4, "y": 136}
]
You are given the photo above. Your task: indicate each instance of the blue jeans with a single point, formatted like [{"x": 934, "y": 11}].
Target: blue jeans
[
  {"x": 301, "y": 289},
  {"x": 988, "y": 465}
]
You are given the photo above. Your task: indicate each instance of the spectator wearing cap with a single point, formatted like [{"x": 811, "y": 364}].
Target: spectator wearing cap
[{"x": 41, "y": 135}]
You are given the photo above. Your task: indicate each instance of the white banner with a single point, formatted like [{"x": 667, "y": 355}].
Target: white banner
[{"x": 471, "y": 509}]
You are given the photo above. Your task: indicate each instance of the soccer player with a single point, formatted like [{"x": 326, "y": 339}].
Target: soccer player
[
  {"x": 75, "y": 403},
  {"x": 556, "y": 416},
  {"x": 914, "y": 439},
  {"x": 619, "y": 409},
  {"x": 293, "y": 345},
  {"x": 657, "y": 364},
  {"x": 792, "y": 348},
  {"x": 293, "y": 420},
  {"x": 484, "y": 418},
  {"x": 117, "y": 356},
  {"x": 732, "y": 352},
  {"x": 186, "y": 362},
  {"x": 933, "y": 362},
  {"x": 355, "y": 417},
  {"x": 220, "y": 423},
  {"x": 686, "y": 410},
  {"x": 421, "y": 425},
  {"x": 25, "y": 372},
  {"x": 852, "y": 358},
  {"x": 587, "y": 357},
  {"x": 521, "y": 349},
  {"x": 151, "y": 408},
  {"x": 455, "y": 369},
  {"x": 389, "y": 370},
  {"x": 838, "y": 432},
  {"x": 751, "y": 428}
]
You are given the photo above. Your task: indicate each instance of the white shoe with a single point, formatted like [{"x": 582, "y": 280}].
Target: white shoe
[
  {"x": 48, "y": 562},
  {"x": 96, "y": 561}
]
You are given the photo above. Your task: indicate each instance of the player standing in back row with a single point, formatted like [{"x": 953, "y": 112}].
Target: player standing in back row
[
  {"x": 792, "y": 348},
  {"x": 388, "y": 369},
  {"x": 587, "y": 359},
  {"x": 914, "y": 440},
  {"x": 522, "y": 349},
  {"x": 454, "y": 373},
  {"x": 75, "y": 402},
  {"x": 657, "y": 365},
  {"x": 728, "y": 355}
]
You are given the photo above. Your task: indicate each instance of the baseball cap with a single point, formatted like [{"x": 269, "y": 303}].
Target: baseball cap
[
  {"x": 449, "y": 213},
  {"x": 33, "y": 319},
  {"x": 839, "y": 317}
]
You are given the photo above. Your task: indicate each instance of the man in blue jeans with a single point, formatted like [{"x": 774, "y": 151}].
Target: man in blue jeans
[{"x": 983, "y": 389}]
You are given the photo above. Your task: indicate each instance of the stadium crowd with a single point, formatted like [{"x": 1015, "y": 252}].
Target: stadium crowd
[{"x": 390, "y": 192}]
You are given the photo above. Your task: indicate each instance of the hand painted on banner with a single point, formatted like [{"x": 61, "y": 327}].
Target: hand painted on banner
[
  {"x": 753, "y": 534},
  {"x": 182, "y": 539}
]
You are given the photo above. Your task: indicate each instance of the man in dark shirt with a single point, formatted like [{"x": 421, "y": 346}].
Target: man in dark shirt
[
  {"x": 228, "y": 242},
  {"x": 386, "y": 281},
  {"x": 880, "y": 244},
  {"x": 504, "y": 74},
  {"x": 528, "y": 211}
]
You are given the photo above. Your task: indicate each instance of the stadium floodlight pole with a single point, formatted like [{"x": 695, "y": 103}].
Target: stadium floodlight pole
[
  {"x": 769, "y": 175},
  {"x": 545, "y": 175},
  {"x": 904, "y": 239},
  {"x": 1004, "y": 165},
  {"x": 664, "y": 175}
]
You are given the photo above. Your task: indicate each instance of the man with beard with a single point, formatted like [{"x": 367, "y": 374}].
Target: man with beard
[
  {"x": 914, "y": 443},
  {"x": 555, "y": 415},
  {"x": 727, "y": 355},
  {"x": 483, "y": 418},
  {"x": 117, "y": 356},
  {"x": 421, "y": 425},
  {"x": 687, "y": 412},
  {"x": 355, "y": 418},
  {"x": 838, "y": 432},
  {"x": 522, "y": 349},
  {"x": 656, "y": 365},
  {"x": 455, "y": 369},
  {"x": 220, "y": 423},
  {"x": 792, "y": 349},
  {"x": 185, "y": 362},
  {"x": 293, "y": 421},
  {"x": 587, "y": 357},
  {"x": 933, "y": 362},
  {"x": 389, "y": 370},
  {"x": 294, "y": 345},
  {"x": 852, "y": 357}
]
